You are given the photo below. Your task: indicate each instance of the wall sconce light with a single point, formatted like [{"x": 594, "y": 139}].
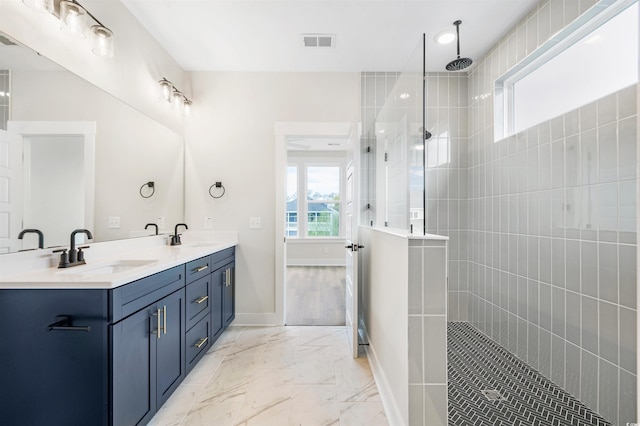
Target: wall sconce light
[
  {"x": 169, "y": 93},
  {"x": 74, "y": 21}
]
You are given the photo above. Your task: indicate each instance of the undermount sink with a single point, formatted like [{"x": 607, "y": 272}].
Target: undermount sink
[{"x": 111, "y": 268}]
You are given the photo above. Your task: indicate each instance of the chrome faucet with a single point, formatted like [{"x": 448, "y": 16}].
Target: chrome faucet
[
  {"x": 75, "y": 257},
  {"x": 175, "y": 238},
  {"x": 33, "y": 231},
  {"x": 152, "y": 224}
]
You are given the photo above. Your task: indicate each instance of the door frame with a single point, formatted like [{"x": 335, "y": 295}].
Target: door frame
[
  {"x": 282, "y": 131},
  {"x": 84, "y": 129}
]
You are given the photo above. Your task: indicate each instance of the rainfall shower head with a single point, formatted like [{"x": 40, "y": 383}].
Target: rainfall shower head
[{"x": 458, "y": 63}]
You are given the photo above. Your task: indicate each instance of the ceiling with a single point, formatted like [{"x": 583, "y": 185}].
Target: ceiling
[{"x": 370, "y": 35}]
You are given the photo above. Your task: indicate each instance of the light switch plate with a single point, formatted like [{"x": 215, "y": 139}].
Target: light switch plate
[
  {"x": 255, "y": 223},
  {"x": 113, "y": 222}
]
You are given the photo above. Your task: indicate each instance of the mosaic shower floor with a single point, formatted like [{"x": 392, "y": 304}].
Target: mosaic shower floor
[{"x": 524, "y": 397}]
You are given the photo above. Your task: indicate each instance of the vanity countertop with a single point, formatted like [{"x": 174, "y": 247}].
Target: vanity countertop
[{"x": 114, "y": 270}]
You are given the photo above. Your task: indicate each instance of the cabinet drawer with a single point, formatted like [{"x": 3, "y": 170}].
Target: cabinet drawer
[
  {"x": 198, "y": 268},
  {"x": 222, "y": 257},
  {"x": 198, "y": 342},
  {"x": 132, "y": 297},
  {"x": 198, "y": 300}
]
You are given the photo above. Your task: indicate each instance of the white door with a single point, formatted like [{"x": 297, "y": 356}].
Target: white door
[
  {"x": 352, "y": 247},
  {"x": 10, "y": 191}
]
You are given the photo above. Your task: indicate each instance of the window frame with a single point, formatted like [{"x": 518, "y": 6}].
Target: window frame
[
  {"x": 504, "y": 113},
  {"x": 303, "y": 163}
]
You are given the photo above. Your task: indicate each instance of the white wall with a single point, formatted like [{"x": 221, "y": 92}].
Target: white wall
[
  {"x": 131, "y": 75},
  {"x": 230, "y": 138},
  {"x": 385, "y": 277}
]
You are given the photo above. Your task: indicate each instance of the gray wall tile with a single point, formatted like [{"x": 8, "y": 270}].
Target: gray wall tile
[
  {"x": 628, "y": 406},
  {"x": 572, "y": 365},
  {"x": 608, "y": 331},
  {"x": 573, "y": 322},
  {"x": 628, "y": 339},
  {"x": 590, "y": 324},
  {"x": 435, "y": 405},
  {"x": 416, "y": 405},
  {"x": 589, "y": 380},
  {"x": 608, "y": 391},
  {"x": 435, "y": 349},
  {"x": 416, "y": 349}
]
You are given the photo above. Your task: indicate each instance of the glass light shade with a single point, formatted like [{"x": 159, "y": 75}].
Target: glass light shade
[
  {"x": 186, "y": 109},
  {"x": 177, "y": 100},
  {"x": 102, "y": 39},
  {"x": 40, "y": 5},
  {"x": 74, "y": 18},
  {"x": 165, "y": 89}
]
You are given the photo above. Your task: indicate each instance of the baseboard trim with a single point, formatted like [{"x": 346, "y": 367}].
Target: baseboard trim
[
  {"x": 316, "y": 262},
  {"x": 393, "y": 412},
  {"x": 268, "y": 319}
]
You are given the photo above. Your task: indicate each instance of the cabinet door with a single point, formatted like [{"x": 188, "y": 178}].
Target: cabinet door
[
  {"x": 133, "y": 391},
  {"x": 170, "y": 352},
  {"x": 229, "y": 294},
  {"x": 217, "y": 324},
  {"x": 53, "y": 377}
]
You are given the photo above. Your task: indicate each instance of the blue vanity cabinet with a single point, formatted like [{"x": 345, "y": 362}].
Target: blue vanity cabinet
[
  {"x": 109, "y": 357},
  {"x": 54, "y": 376},
  {"x": 199, "y": 299},
  {"x": 217, "y": 295},
  {"x": 229, "y": 294},
  {"x": 223, "y": 280},
  {"x": 148, "y": 358}
]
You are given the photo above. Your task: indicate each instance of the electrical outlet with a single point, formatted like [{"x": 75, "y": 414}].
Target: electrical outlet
[
  {"x": 325, "y": 250},
  {"x": 208, "y": 222},
  {"x": 161, "y": 222},
  {"x": 254, "y": 223},
  {"x": 113, "y": 222}
]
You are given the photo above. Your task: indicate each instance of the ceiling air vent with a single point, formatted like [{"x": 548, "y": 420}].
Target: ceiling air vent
[{"x": 318, "y": 40}]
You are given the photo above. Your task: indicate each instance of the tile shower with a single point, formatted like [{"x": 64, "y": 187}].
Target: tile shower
[{"x": 542, "y": 224}]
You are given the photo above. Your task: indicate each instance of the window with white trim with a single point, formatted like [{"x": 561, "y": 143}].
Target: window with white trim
[
  {"x": 319, "y": 213},
  {"x": 594, "y": 56}
]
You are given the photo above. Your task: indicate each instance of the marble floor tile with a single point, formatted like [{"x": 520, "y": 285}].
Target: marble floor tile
[
  {"x": 362, "y": 414},
  {"x": 212, "y": 414},
  {"x": 280, "y": 376},
  {"x": 314, "y": 405}
]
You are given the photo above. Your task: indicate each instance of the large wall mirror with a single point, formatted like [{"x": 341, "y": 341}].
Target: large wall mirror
[{"x": 73, "y": 156}]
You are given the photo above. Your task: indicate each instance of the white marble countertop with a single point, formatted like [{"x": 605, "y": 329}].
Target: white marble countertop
[{"x": 140, "y": 262}]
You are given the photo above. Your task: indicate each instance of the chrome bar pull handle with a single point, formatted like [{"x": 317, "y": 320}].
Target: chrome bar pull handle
[
  {"x": 201, "y": 342},
  {"x": 157, "y": 315},
  {"x": 200, "y": 268},
  {"x": 165, "y": 319},
  {"x": 201, "y": 299}
]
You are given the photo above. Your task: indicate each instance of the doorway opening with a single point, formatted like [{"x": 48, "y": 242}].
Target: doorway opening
[{"x": 314, "y": 228}]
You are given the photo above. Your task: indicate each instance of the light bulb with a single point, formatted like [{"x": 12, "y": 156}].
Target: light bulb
[
  {"x": 74, "y": 18},
  {"x": 186, "y": 109},
  {"x": 102, "y": 41},
  {"x": 165, "y": 89},
  {"x": 177, "y": 100}
]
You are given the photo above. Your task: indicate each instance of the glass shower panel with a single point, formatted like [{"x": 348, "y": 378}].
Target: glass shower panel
[{"x": 399, "y": 151}]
